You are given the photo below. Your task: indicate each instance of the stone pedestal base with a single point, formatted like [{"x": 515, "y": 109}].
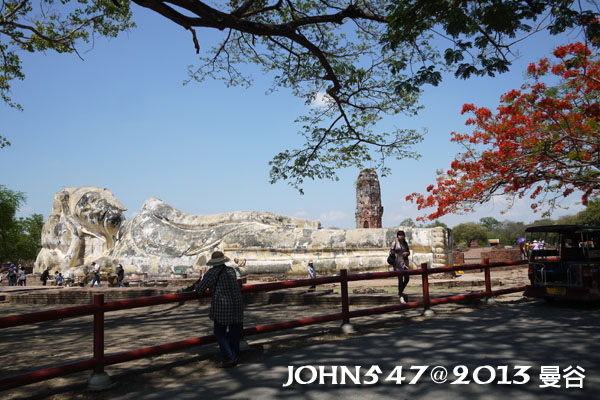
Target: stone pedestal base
[
  {"x": 428, "y": 313},
  {"x": 99, "y": 381},
  {"x": 347, "y": 329}
]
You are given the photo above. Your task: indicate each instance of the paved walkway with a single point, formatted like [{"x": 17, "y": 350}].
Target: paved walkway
[
  {"x": 53, "y": 343},
  {"x": 513, "y": 333},
  {"x": 523, "y": 334}
]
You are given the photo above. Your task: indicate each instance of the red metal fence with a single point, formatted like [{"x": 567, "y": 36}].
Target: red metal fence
[{"x": 99, "y": 307}]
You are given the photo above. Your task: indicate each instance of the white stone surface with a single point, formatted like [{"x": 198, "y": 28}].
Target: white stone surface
[
  {"x": 81, "y": 228},
  {"x": 161, "y": 239}
]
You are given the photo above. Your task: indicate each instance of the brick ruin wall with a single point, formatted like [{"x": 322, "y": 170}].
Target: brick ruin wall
[
  {"x": 502, "y": 255},
  {"x": 369, "y": 210}
]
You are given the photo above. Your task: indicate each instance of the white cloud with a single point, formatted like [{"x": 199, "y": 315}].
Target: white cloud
[
  {"x": 332, "y": 216},
  {"x": 407, "y": 210},
  {"x": 300, "y": 214},
  {"x": 321, "y": 100}
]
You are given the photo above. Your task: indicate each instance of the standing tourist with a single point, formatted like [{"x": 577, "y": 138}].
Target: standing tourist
[
  {"x": 311, "y": 274},
  {"x": 401, "y": 251},
  {"x": 522, "y": 249},
  {"x": 12, "y": 275},
  {"x": 120, "y": 275},
  {"x": 45, "y": 275},
  {"x": 226, "y": 308},
  {"x": 96, "y": 277},
  {"x": 22, "y": 276}
]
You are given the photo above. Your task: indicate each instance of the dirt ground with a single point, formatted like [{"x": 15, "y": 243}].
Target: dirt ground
[
  {"x": 470, "y": 281},
  {"x": 59, "y": 342}
]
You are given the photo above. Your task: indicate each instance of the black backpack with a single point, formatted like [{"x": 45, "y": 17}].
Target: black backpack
[{"x": 391, "y": 259}]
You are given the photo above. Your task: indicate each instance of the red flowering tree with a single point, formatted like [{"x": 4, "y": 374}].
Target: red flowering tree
[{"x": 543, "y": 141}]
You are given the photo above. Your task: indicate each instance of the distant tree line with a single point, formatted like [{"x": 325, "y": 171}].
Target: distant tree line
[
  {"x": 20, "y": 238},
  {"x": 508, "y": 232}
]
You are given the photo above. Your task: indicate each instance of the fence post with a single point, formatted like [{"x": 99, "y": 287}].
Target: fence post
[
  {"x": 425, "y": 278},
  {"x": 346, "y": 326},
  {"x": 488, "y": 281},
  {"x": 243, "y": 342},
  {"x": 99, "y": 379}
]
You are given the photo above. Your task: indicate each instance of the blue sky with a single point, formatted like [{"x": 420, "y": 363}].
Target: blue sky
[{"x": 122, "y": 119}]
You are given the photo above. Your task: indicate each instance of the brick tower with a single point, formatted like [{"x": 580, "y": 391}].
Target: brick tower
[{"x": 368, "y": 200}]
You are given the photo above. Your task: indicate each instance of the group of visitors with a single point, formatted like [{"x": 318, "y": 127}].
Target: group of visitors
[
  {"x": 96, "y": 275},
  {"x": 16, "y": 275},
  {"x": 59, "y": 279},
  {"x": 525, "y": 246},
  {"x": 538, "y": 245}
]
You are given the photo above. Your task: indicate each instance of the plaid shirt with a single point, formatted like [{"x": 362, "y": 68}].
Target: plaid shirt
[{"x": 227, "y": 305}]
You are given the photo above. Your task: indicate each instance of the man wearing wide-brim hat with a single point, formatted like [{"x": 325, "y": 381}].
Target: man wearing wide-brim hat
[{"x": 227, "y": 306}]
